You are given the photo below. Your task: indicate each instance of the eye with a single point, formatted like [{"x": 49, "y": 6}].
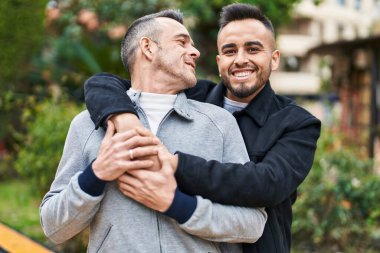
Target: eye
[
  {"x": 229, "y": 52},
  {"x": 182, "y": 42},
  {"x": 252, "y": 50}
]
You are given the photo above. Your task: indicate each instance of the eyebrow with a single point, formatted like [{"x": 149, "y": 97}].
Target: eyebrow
[
  {"x": 246, "y": 44},
  {"x": 229, "y": 45},
  {"x": 253, "y": 43},
  {"x": 186, "y": 36}
]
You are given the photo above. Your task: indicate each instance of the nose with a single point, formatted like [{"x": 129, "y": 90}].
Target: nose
[
  {"x": 194, "y": 53},
  {"x": 241, "y": 58}
]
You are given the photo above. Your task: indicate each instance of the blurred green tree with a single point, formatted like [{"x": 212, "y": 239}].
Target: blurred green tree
[
  {"x": 21, "y": 37},
  {"x": 337, "y": 208},
  {"x": 85, "y": 36},
  {"x": 41, "y": 148}
]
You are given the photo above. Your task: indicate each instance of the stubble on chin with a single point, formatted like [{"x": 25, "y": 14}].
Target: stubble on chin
[
  {"x": 241, "y": 90},
  {"x": 244, "y": 90}
]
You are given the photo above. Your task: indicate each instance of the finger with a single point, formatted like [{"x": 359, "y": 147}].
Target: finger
[
  {"x": 128, "y": 191},
  {"x": 141, "y": 152},
  {"x": 131, "y": 181},
  {"x": 130, "y": 187},
  {"x": 125, "y": 178},
  {"x": 137, "y": 141},
  {"x": 124, "y": 136},
  {"x": 144, "y": 132},
  {"x": 122, "y": 178},
  {"x": 164, "y": 158},
  {"x": 110, "y": 130},
  {"x": 135, "y": 165},
  {"x": 138, "y": 153}
]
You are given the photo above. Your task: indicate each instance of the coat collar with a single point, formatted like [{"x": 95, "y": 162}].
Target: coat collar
[
  {"x": 181, "y": 107},
  {"x": 259, "y": 107}
]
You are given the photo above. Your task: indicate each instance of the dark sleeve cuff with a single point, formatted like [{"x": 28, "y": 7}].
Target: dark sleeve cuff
[
  {"x": 181, "y": 160},
  {"x": 182, "y": 208},
  {"x": 89, "y": 183},
  {"x": 188, "y": 162}
]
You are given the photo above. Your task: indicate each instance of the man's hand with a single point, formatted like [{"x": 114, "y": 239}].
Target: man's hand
[
  {"x": 153, "y": 189},
  {"x": 129, "y": 121},
  {"x": 125, "y": 121},
  {"x": 114, "y": 156}
]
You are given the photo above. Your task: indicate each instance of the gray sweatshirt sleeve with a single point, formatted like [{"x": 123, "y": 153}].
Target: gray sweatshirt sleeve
[
  {"x": 66, "y": 209},
  {"x": 223, "y": 223}
]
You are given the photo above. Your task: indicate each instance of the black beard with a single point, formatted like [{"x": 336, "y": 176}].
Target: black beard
[{"x": 242, "y": 91}]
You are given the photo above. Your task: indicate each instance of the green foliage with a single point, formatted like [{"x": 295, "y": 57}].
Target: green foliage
[
  {"x": 84, "y": 38},
  {"x": 21, "y": 37},
  {"x": 15, "y": 194},
  {"x": 21, "y": 34},
  {"x": 338, "y": 202},
  {"x": 41, "y": 148},
  {"x": 79, "y": 45}
]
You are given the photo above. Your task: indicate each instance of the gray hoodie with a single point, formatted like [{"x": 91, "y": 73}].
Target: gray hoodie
[{"x": 119, "y": 224}]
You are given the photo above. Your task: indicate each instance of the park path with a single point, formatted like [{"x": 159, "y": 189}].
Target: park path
[{"x": 12, "y": 241}]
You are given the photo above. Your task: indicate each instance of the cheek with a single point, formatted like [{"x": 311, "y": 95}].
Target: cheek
[{"x": 223, "y": 65}]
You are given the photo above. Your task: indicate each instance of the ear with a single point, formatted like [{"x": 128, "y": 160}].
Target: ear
[
  {"x": 146, "y": 47},
  {"x": 217, "y": 61},
  {"x": 275, "y": 60}
]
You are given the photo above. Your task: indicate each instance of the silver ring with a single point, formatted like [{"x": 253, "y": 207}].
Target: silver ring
[{"x": 130, "y": 152}]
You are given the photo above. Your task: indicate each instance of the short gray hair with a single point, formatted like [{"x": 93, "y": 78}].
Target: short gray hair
[{"x": 146, "y": 26}]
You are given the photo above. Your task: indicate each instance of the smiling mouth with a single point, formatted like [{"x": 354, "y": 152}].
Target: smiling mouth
[
  {"x": 190, "y": 64},
  {"x": 242, "y": 75}
]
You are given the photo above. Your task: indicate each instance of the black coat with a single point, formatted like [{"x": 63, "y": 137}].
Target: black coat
[{"x": 280, "y": 138}]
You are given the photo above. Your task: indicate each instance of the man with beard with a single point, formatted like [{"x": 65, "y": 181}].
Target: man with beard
[
  {"x": 280, "y": 136},
  {"x": 89, "y": 196}
]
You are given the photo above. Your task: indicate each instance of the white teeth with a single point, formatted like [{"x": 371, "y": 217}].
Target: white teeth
[{"x": 242, "y": 74}]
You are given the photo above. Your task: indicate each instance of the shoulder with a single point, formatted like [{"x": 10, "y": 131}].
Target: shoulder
[
  {"x": 200, "y": 90},
  {"x": 82, "y": 119},
  {"x": 105, "y": 78},
  {"x": 209, "y": 109},
  {"x": 216, "y": 114},
  {"x": 204, "y": 84},
  {"x": 288, "y": 110},
  {"x": 82, "y": 123}
]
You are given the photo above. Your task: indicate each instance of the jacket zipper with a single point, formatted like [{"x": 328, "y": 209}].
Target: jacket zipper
[
  {"x": 163, "y": 119},
  {"x": 145, "y": 118},
  {"x": 158, "y": 231}
]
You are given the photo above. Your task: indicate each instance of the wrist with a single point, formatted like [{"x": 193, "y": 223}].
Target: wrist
[
  {"x": 97, "y": 171},
  {"x": 174, "y": 162},
  {"x": 168, "y": 203},
  {"x": 182, "y": 207},
  {"x": 90, "y": 183},
  {"x": 125, "y": 121},
  {"x": 95, "y": 168}
]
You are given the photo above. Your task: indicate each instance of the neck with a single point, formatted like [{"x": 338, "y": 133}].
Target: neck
[{"x": 153, "y": 82}]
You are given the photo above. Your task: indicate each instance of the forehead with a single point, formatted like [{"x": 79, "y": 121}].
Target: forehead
[
  {"x": 171, "y": 27},
  {"x": 241, "y": 31}
]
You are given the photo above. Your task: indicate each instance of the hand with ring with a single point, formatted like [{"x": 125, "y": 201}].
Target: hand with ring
[
  {"x": 119, "y": 152},
  {"x": 130, "y": 152}
]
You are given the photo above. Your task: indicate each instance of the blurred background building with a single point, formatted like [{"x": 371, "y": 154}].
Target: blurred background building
[{"x": 331, "y": 53}]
